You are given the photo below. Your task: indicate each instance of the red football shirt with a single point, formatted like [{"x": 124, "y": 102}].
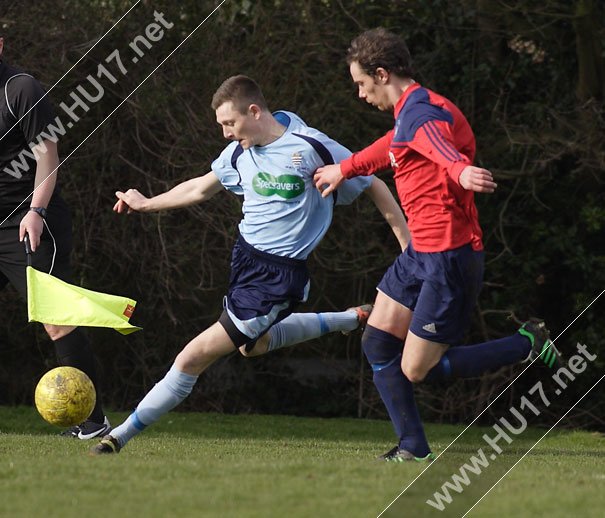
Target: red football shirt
[{"x": 430, "y": 145}]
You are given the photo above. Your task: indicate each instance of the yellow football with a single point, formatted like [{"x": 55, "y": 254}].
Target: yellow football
[{"x": 65, "y": 396}]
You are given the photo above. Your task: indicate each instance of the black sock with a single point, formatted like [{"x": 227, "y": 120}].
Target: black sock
[{"x": 73, "y": 350}]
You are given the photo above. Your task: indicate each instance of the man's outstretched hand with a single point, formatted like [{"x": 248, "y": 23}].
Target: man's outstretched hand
[{"x": 130, "y": 201}]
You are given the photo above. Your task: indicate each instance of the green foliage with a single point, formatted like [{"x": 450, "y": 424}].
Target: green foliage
[{"x": 512, "y": 67}]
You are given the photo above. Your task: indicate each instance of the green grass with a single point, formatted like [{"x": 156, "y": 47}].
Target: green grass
[{"x": 224, "y": 466}]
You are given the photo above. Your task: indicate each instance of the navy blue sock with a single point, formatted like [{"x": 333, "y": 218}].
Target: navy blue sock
[
  {"x": 383, "y": 351},
  {"x": 468, "y": 361}
]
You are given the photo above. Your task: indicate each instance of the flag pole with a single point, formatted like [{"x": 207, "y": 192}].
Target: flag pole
[{"x": 28, "y": 249}]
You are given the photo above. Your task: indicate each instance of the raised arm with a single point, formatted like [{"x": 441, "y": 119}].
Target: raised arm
[
  {"x": 390, "y": 210},
  {"x": 189, "y": 192}
]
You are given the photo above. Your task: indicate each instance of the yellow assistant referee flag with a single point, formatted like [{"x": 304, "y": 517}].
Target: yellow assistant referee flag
[{"x": 53, "y": 301}]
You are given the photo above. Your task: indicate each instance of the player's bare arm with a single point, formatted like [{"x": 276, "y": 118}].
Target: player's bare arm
[
  {"x": 327, "y": 179},
  {"x": 190, "y": 192},
  {"x": 477, "y": 179},
  {"x": 47, "y": 160},
  {"x": 390, "y": 210}
]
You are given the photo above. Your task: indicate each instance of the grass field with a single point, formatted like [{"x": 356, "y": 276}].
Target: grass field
[{"x": 212, "y": 465}]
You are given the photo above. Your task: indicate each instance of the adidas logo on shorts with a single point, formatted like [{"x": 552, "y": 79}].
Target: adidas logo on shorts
[{"x": 430, "y": 328}]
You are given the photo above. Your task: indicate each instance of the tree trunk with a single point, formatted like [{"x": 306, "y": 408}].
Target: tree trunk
[{"x": 591, "y": 69}]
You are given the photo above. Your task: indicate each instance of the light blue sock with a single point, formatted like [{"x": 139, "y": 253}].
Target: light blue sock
[
  {"x": 300, "y": 327},
  {"x": 167, "y": 393}
]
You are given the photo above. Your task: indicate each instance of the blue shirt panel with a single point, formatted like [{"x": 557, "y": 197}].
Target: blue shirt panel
[
  {"x": 417, "y": 111},
  {"x": 283, "y": 213}
]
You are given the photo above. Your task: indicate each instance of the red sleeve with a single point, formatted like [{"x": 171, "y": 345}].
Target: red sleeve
[
  {"x": 434, "y": 141},
  {"x": 370, "y": 160}
]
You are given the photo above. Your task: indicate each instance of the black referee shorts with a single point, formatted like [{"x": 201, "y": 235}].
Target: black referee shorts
[{"x": 13, "y": 259}]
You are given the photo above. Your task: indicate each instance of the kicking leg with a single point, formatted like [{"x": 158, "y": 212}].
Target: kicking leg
[{"x": 178, "y": 383}]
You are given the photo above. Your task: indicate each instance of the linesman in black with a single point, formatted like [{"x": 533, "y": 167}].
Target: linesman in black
[{"x": 24, "y": 120}]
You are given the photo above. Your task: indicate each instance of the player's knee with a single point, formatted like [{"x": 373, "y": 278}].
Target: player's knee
[
  {"x": 414, "y": 372},
  {"x": 57, "y": 332},
  {"x": 196, "y": 357},
  {"x": 191, "y": 364},
  {"x": 381, "y": 349}
]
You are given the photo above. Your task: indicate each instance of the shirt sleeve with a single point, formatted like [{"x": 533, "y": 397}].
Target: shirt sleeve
[
  {"x": 328, "y": 151},
  {"x": 372, "y": 159},
  {"x": 225, "y": 168},
  {"x": 33, "y": 111},
  {"x": 434, "y": 141},
  {"x": 349, "y": 190},
  {"x": 325, "y": 150}
]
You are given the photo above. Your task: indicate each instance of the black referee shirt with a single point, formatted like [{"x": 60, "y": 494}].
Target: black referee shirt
[{"x": 18, "y": 93}]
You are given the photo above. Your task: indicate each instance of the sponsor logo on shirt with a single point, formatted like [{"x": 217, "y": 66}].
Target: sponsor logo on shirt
[{"x": 286, "y": 185}]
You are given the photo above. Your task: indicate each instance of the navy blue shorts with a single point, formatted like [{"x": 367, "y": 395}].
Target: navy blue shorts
[
  {"x": 441, "y": 288},
  {"x": 263, "y": 289}
]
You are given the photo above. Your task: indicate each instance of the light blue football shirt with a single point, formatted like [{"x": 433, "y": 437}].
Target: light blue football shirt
[{"x": 284, "y": 214}]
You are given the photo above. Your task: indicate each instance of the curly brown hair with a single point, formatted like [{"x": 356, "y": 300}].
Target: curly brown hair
[{"x": 380, "y": 48}]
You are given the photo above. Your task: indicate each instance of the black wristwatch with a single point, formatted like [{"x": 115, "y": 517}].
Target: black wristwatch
[{"x": 41, "y": 211}]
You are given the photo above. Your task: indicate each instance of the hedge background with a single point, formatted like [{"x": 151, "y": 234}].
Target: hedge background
[{"x": 531, "y": 80}]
